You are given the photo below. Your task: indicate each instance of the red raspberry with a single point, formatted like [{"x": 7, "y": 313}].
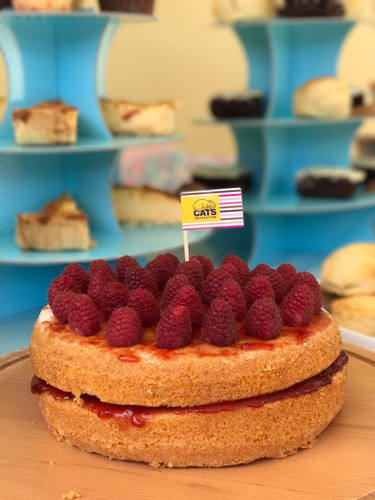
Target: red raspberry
[
  {"x": 297, "y": 308},
  {"x": 98, "y": 280},
  {"x": 233, "y": 271},
  {"x": 193, "y": 270},
  {"x": 172, "y": 286},
  {"x": 288, "y": 272},
  {"x": 61, "y": 305},
  {"x": 138, "y": 277},
  {"x": 174, "y": 328},
  {"x": 123, "y": 263},
  {"x": 219, "y": 326},
  {"x": 60, "y": 284},
  {"x": 263, "y": 319},
  {"x": 78, "y": 274},
  {"x": 124, "y": 328},
  {"x": 308, "y": 279},
  {"x": 114, "y": 296},
  {"x": 257, "y": 288},
  {"x": 83, "y": 316},
  {"x": 145, "y": 305},
  {"x": 232, "y": 293},
  {"x": 240, "y": 265},
  {"x": 160, "y": 273},
  {"x": 260, "y": 270},
  {"x": 188, "y": 296},
  {"x": 102, "y": 265},
  {"x": 274, "y": 277},
  {"x": 213, "y": 283},
  {"x": 207, "y": 265},
  {"x": 170, "y": 261}
]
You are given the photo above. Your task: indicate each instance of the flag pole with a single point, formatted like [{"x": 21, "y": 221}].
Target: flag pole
[{"x": 186, "y": 244}]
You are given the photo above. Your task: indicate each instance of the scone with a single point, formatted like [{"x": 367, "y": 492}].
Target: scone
[
  {"x": 47, "y": 123},
  {"x": 242, "y": 10},
  {"x": 356, "y": 313},
  {"x": 60, "y": 225},
  {"x": 323, "y": 98},
  {"x": 350, "y": 270},
  {"x": 123, "y": 117}
]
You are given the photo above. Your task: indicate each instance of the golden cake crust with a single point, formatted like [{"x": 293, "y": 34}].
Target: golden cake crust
[{"x": 194, "y": 375}]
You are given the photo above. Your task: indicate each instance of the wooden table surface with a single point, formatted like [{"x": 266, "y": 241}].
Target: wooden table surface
[{"x": 33, "y": 465}]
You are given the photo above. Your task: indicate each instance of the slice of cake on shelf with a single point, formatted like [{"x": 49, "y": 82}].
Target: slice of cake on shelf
[
  {"x": 124, "y": 117},
  {"x": 60, "y": 225},
  {"x": 328, "y": 182},
  {"x": 43, "y": 5},
  {"x": 47, "y": 123}
]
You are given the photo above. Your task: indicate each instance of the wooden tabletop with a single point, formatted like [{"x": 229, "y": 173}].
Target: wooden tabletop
[{"x": 33, "y": 465}]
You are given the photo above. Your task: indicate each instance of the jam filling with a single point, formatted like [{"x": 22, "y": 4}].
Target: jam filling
[{"x": 138, "y": 415}]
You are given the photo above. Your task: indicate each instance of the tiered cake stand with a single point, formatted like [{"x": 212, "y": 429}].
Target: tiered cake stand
[
  {"x": 283, "y": 54},
  {"x": 62, "y": 56}
]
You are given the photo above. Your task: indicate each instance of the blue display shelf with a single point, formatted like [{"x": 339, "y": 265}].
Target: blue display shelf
[{"x": 282, "y": 54}]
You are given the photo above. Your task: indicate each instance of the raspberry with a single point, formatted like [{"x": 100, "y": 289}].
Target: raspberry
[
  {"x": 259, "y": 270},
  {"x": 187, "y": 296},
  {"x": 257, "y": 288},
  {"x": 213, "y": 283},
  {"x": 171, "y": 288},
  {"x": 263, "y": 319},
  {"x": 288, "y": 272},
  {"x": 145, "y": 305},
  {"x": 241, "y": 266},
  {"x": 219, "y": 326},
  {"x": 207, "y": 265},
  {"x": 98, "y": 280},
  {"x": 138, "y": 277},
  {"x": 114, "y": 296},
  {"x": 232, "y": 293},
  {"x": 61, "y": 305},
  {"x": 170, "y": 261},
  {"x": 124, "y": 328},
  {"x": 123, "y": 263},
  {"x": 160, "y": 273},
  {"x": 308, "y": 279},
  {"x": 233, "y": 271},
  {"x": 78, "y": 274},
  {"x": 277, "y": 282},
  {"x": 102, "y": 265},
  {"x": 193, "y": 270},
  {"x": 297, "y": 308},
  {"x": 174, "y": 328},
  {"x": 83, "y": 316},
  {"x": 60, "y": 284}
]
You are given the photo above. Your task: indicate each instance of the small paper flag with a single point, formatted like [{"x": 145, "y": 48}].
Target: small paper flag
[{"x": 212, "y": 208}]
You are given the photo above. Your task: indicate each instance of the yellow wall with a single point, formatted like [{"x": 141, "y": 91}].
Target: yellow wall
[{"x": 185, "y": 56}]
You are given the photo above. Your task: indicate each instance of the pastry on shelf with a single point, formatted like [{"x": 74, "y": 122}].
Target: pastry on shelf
[
  {"x": 356, "y": 313},
  {"x": 323, "y": 98},
  {"x": 47, "y": 123},
  {"x": 224, "y": 176},
  {"x": 328, "y": 182},
  {"x": 248, "y": 104},
  {"x": 309, "y": 8},
  {"x": 60, "y": 225},
  {"x": 129, "y": 6},
  {"x": 43, "y": 5},
  {"x": 3, "y": 105},
  {"x": 243, "y": 10},
  {"x": 124, "y": 117},
  {"x": 137, "y": 373}
]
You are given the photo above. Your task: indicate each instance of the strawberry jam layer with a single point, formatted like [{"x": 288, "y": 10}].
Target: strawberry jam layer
[{"x": 138, "y": 415}]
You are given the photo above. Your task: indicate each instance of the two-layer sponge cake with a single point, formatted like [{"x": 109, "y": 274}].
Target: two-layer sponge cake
[{"x": 180, "y": 364}]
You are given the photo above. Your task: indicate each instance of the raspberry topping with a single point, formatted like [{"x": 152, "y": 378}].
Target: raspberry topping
[
  {"x": 174, "y": 329},
  {"x": 188, "y": 296},
  {"x": 170, "y": 261},
  {"x": 61, "y": 305},
  {"x": 145, "y": 305},
  {"x": 274, "y": 277},
  {"x": 83, "y": 316},
  {"x": 102, "y": 265},
  {"x": 288, "y": 272},
  {"x": 308, "y": 279},
  {"x": 241, "y": 266},
  {"x": 232, "y": 293},
  {"x": 213, "y": 283},
  {"x": 160, "y": 273},
  {"x": 219, "y": 326},
  {"x": 123, "y": 263},
  {"x": 78, "y": 274},
  {"x": 297, "y": 308},
  {"x": 259, "y": 270},
  {"x": 171, "y": 288},
  {"x": 257, "y": 288},
  {"x": 233, "y": 271},
  {"x": 207, "y": 265},
  {"x": 263, "y": 319},
  {"x": 193, "y": 270},
  {"x": 124, "y": 328},
  {"x": 114, "y": 296},
  {"x": 138, "y": 277},
  {"x": 98, "y": 280},
  {"x": 60, "y": 284}
]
